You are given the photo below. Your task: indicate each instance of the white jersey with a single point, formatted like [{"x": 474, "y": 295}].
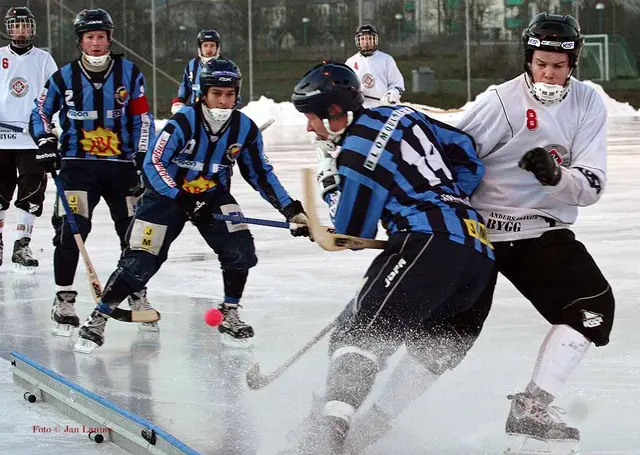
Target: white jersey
[
  {"x": 22, "y": 77},
  {"x": 377, "y": 73},
  {"x": 506, "y": 122}
]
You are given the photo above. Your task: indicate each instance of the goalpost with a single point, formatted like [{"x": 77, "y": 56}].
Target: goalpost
[{"x": 600, "y": 44}]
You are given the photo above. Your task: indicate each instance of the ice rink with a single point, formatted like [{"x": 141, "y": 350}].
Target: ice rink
[{"x": 185, "y": 381}]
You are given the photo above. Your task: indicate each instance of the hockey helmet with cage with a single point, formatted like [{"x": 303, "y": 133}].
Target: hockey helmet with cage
[
  {"x": 20, "y": 19},
  {"x": 366, "y": 29},
  {"x": 326, "y": 84},
  {"x": 208, "y": 36},
  {"x": 220, "y": 72},
  {"x": 552, "y": 33},
  {"x": 89, "y": 20}
]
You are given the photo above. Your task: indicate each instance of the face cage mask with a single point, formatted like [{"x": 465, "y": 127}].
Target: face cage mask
[
  {"x": 27, "y": 24},
  {"x": 375, "y": 44},
  {"x": 548, "y": 94}
]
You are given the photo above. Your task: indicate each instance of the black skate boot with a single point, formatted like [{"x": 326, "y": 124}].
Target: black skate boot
[
  {"x": 536, "y": 427},
  {"x": 233, "y": 326},
  {"x": 22, "y": 258},
  {"x": 91, "y": 333},
  {"x": 318, "y": 434},
  {"x": 367, "y": 429},
  {"x": 138, "y": 302},
  {"x": 63, "y": 314}
]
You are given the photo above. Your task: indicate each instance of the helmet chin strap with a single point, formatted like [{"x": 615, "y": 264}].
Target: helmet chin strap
[
  {"x": 548, "y": 94},
  {"x": 335, "y": 136}
]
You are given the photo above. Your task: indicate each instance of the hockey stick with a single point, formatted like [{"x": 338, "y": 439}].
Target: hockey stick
[
  {"x": 256, "y": 380},
  {"x": 17, "y": 129},
  {"x": 267, "y": 124},
  {"x": 237, "y": 219},
  {"x": 327, "y": 240},
  {"x": 96, "y": 288}
]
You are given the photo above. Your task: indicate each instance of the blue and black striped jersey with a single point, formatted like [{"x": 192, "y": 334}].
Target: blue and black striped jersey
[
  {"x": 187, "y": 157},
  {"x": 189, "y": 89},
  {"x": 100, "y": 117},
  {"x": 411, "y": 172}
]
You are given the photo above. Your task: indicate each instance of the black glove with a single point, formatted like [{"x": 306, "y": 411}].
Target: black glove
[
  {"x": 196, "y": 206},
  {"x": 48, "y": 155},
  {"x": 138, "y": 188},
  {"x": 540, "y": 162},
  {"x": 294, "y": 213}
]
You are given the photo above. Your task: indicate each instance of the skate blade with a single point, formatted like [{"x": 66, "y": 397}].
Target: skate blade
[
  {"x": 149, "y": 327},
  {"x": 527, "y": 445},
  {"x": 236, "y": 343},
  {"x": 62, "y": 330},
  {"x": 23, "y": 269},
  {"x": 85, "y": 346}
]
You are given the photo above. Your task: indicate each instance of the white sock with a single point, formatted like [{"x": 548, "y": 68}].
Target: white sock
[
  {"x": 560, "y": 354},
  {"x": 2, "y": 212},
  {"x": 408, "y": 381},
  {"x": 65, "y": 288},
  {"x": 24, "y": 224}
]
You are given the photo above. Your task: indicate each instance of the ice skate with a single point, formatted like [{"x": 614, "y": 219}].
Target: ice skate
[
  {"x": 235, "y": 332},
  {"x": 22, "y": 258},
  {"x": 536, "y": 428},
  {"x": 91, "y": 333},
  {"x": 318, "y": 434},
  {"x": 63, "y": 314},
  {"x": 138, "y": 302},
  {"x": 367, "y": 429}
]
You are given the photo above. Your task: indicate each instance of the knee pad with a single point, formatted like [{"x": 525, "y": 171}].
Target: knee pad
[
  {"x": 147, "y": 237},
  {"x": 66, "y": 235},
  {"x": 591, "y": 316},
  {"x": 135, "y": 268},
  {"x": 239, "y": 254},
  {"x": 440, "y": 348},
  {"x": 352, "y": 373},
  {"x": 78, "y": 202}
]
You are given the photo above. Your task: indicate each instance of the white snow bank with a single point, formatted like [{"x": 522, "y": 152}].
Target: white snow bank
[{"x": 289, "y": 126}]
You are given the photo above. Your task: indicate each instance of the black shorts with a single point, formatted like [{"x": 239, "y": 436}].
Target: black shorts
[
  {"x": 417, "y": 279},
  {"x": 20, "y": 168},
  {"x": 556, "y": 273}
]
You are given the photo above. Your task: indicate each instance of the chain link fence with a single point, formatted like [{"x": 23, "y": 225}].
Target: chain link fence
[{"x": 289, "y": 36}]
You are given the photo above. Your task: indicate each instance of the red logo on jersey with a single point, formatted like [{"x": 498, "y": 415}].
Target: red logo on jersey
[
  {"x": 556, "y": 156},
  {"x": 355, "y": 65},
  {"x": 19, "y": 87},
  {"x": 532, "y": 120}
]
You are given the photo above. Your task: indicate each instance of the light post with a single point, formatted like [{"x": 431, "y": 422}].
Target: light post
[
  {"x": 399, "y": 18},
  {"x": 600, "y": 11},
  {"x": 305, "y": 26}
]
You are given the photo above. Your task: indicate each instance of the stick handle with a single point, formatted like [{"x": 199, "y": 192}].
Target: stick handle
[
  {"x": 96, "y": 287},
  {"x": 236, "y": 219}
]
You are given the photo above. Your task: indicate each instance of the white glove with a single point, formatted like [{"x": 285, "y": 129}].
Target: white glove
[
  {"x": 391, "y": 97},
  {"x": 328, "y": 177},
  {"x": 175, "y": 107}
]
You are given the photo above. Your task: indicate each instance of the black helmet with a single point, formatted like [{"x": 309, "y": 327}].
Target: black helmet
[
  {"x": 220, "y": 72},
  {"x": 208, "y": 36},
  {"x": 366, "y": 29},
  {"x": 20, "y": 16},
  {"x": 552, "y": 33},
  {"x": 89, "y": 20},
  {"x": 324, "y": 85}
]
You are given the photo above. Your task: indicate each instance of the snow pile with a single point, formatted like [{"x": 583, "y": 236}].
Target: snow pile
[{"x": 289, "y": 126}]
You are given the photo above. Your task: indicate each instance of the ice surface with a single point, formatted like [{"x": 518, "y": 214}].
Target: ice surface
[{"x": 185, "y": 381}]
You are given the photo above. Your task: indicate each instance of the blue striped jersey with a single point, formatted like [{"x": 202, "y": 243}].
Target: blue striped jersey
[
  {"x": 102, "y": 115},
  {"x": 187, "y": 157},
  {"x": 413, "y": 173},
  {"x": 189, "y": 89}
]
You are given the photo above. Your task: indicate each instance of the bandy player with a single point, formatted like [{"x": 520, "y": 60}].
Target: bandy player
[
  {"x": 542, "y": 140},
  {"x": 24, "y": 69}
]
